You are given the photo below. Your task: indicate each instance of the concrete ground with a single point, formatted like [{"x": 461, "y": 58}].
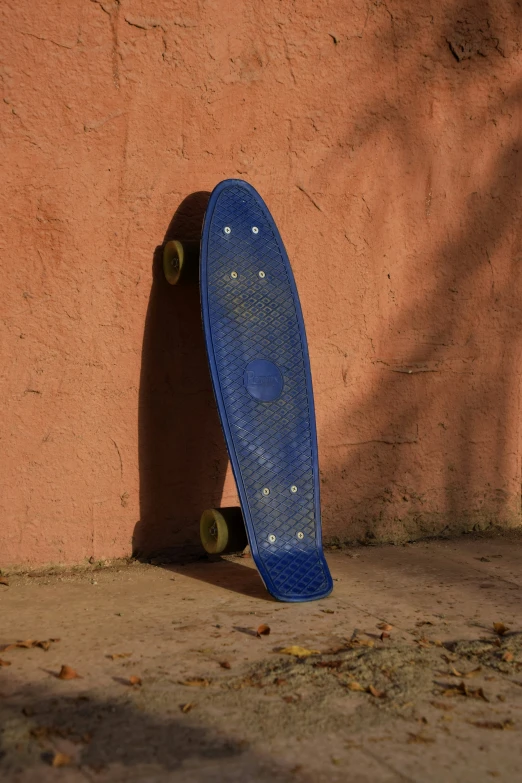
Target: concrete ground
[{"x": 437, "y": 699}]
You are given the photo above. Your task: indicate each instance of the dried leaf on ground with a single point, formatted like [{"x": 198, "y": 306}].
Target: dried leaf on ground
[
  {"x": 384, "y": 627},
  {"x": 423, "y": 622},
  {"x": 419, "y": 738},
  {"x": 508, "y": 657},
  {"x": 42, "y": 732},
  {"x": 356, "y": 642},
  {"x": 114, "y": 656},
  {"x": 452, "y": 692},
  {"x": 280, "y": 681},
  {"x": 298, "y": 652},
  {"x": 60, "y": 760},
  {"x": 23, "y": 644},
  {"x": 4, "y": 581},
  {"x": 423, "y": 642},
  {"x": 247, "y": 682},
  {"x": 493, "y": 724},
  {"x": 384, "y": 636},
  {"x": 355, "y": 686},
  {"x": 327, "y": 611},
  {"x": 500, "y": 628},
  {"x": 375, "y": 692},
  {"x": 263, "y": 630},
  {"x": 463, "y": 690},
  {"x": 328, "y": 664},
  {"x": 134, "y": 680},
  {"x": 478, "y": 694},
  {"x": 472, "y": 673},
  {"x": 449, "y": 657},
  {"x": 27, "y": 644},
  {"x": 186, "y": 707},
  {"x": 5, "y": 663},
  {"x": 68, "y": 673},
  {"x": 195, "y": 682},
  {"x": 440, "y": 705},
  {"x": 225, "y": 665}
]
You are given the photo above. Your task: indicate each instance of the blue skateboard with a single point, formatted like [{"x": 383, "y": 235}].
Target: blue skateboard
[{"x": 258, "y": 357}]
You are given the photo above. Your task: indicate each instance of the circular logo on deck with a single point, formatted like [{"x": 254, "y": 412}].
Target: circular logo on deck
[{"x": 263, "y": 380}]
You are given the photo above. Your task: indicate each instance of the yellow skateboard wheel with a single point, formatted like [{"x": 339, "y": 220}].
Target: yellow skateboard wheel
[
  {"x": 180, "y": 261},
  {"x": 222, "y": 530}
]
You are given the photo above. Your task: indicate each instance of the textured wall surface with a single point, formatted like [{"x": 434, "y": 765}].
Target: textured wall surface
[{"x": 385, "y": 138}]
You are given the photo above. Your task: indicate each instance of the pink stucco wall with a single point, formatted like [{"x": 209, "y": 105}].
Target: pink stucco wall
[{"x": 385, "y": 138}]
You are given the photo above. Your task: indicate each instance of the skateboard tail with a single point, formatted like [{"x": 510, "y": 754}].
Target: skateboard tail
[{"x": 289, "y": 594}]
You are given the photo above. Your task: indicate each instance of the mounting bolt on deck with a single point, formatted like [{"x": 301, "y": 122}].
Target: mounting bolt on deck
[
  {"x": 261, "y": 274},
  {"x": 227, "y": 230},
  {"x": 233, "y": 275},
  {"x": 271, "y": 538},
  {"x": 255, "y": 230},
  {"x": 293, "y": 489},
  {"x": 266, "y": 491},
  {"x": 300, "y": 536}
]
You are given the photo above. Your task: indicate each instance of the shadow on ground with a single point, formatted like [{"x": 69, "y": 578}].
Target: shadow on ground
[
  {"x": 103, "y": 735},
  {"x": 230, "y": 574}
]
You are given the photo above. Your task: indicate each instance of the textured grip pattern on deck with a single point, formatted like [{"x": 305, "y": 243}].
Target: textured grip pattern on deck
[{"x": 253, "y": 317}]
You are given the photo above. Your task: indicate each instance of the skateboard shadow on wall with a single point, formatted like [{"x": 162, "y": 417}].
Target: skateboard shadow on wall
[{"x": 182, "y": 453}]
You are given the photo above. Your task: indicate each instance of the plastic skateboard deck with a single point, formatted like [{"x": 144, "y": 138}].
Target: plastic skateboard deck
[{"x": 258, "y": 356}]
